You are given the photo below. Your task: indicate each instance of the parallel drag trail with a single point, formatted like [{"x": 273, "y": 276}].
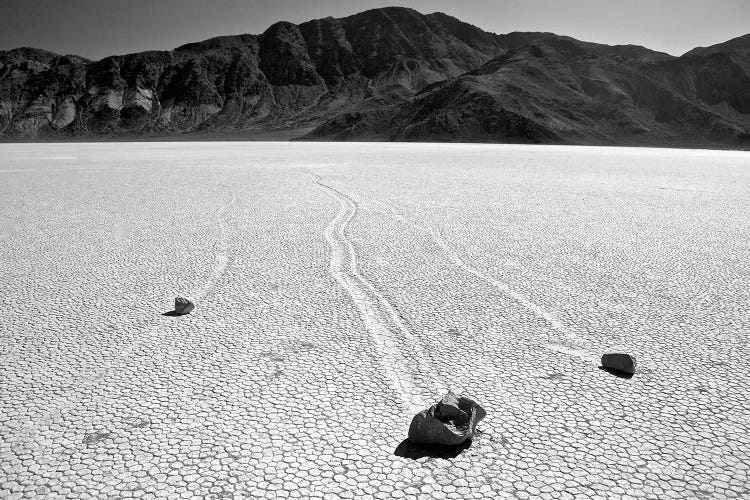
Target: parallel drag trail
[
  {"x": 401, "y": 354},
  {"x": 384, "y": 323},
  {"x": 579, "y": 350}
]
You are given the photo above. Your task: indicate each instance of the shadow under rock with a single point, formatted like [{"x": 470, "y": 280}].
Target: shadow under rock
[
  {"x": 617, "y": 373},
  {"x": 173, "y": 313},
  {"x": 407, "y": 449}
]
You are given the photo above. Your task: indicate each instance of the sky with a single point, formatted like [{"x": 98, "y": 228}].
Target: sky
[{"x": 98, "y": 28}]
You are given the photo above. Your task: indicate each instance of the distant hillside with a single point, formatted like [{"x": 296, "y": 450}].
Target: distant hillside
[{"x": 387, "y": 74}]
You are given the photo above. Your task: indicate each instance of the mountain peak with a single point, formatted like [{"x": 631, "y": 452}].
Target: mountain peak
[
  {"x": 388, "y": 10},
  {"x": 740, "y": 44},
  {"x": 389, "y": 73},
  {"x": 29, "y": 53}
]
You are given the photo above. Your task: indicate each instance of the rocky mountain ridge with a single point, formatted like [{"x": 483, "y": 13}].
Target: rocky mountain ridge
[{"x": 386, "y": 74}]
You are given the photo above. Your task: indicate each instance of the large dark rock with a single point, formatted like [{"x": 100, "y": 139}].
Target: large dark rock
[
  {"x": 450, "y": 422},
  {"x": 624, "y": 363},
  {"x": 183, "y": 306}
]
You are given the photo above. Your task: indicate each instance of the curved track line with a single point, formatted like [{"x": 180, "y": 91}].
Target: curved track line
[
  {"x": 540, "y": 312},
  {"x": 399, "y": 366},
  {"x": 380, "y": 317},
  {"x": 222, "y": 257},
  {"x": 77, "y": 385}
]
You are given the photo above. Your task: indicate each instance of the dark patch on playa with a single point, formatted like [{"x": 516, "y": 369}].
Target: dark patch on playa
[
  {"x": 485, "y": 435},
  {"x": 96, "y": 437},
  {"x": 273, "y": 356},
  {"x": 140, "y": 423}
]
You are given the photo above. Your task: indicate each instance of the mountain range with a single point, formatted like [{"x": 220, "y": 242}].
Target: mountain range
[{"x": 390, "y": 74}]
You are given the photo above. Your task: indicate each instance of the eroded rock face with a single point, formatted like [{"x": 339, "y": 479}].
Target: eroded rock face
[
  {"x": 389, "y": 74},
  {"x": 183, "y": 305},
  {"x": 621, "y": 362},
  {"x": 284, "y": 58},
  {"x": 452, "y": 421},
  {"x": 65, "y": 114}
]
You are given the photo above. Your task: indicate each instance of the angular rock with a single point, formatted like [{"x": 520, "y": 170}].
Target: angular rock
[
  {"x": 449, "y": 422},
  {"x": 620, "y": 362},
  {"x": 183, "y": 305}
]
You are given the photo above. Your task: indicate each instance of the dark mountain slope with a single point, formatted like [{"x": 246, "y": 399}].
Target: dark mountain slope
[
  {"x": 387, "y": 74},
  {"x": 38, "y": 89},
  {"x": 721, "y": 73},
  {"x": 288, "y": 76},
  {"x": 739, "y": 45},
  {"x": 557, "y": 89}
]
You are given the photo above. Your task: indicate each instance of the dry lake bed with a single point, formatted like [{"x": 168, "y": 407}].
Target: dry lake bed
[{"x": 340, "y": 288}]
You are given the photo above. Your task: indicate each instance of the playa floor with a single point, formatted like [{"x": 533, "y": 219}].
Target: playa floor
[{"x": 340, "y": 288}]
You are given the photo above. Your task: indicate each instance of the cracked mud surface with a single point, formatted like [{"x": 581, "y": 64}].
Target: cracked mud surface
[{"x": 339, "y": 287}]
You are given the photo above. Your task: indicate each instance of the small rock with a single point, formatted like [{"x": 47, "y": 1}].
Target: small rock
[
  {"x": 183, "y": 306},
  {"x": 624, "y": 363},
  {"x": 449, "y": 422}
]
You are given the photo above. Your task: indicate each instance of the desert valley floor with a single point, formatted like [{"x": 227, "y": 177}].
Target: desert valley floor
[{"x": 342, "y": 287}]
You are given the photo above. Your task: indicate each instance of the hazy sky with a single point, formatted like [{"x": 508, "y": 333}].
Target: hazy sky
[{"x": 97, "y": 28}]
